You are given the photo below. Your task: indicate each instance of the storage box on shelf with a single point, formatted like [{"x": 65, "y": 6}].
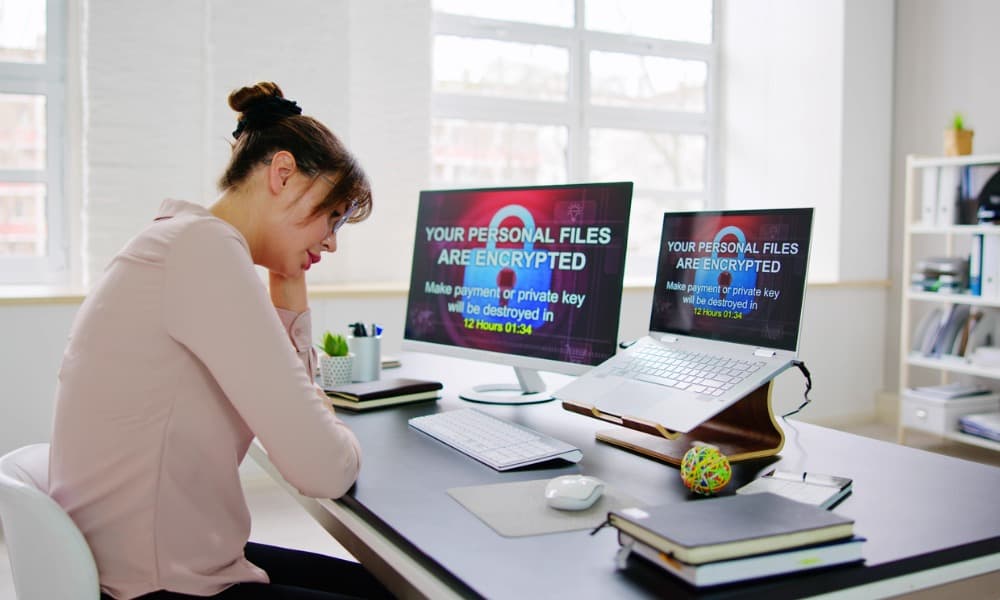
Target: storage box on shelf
[
  {"x": 940, "y": 221},
  {"x": 940, "y": 415}
]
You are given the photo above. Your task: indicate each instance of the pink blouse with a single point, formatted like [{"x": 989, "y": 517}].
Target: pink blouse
[{"x": 176, "y": 360}]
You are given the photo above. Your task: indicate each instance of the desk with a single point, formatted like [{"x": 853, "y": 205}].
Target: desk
[{"x": 929, "y": 519}]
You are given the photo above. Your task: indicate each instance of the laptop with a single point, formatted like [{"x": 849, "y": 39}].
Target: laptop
[{"x": 725, "y": 319}]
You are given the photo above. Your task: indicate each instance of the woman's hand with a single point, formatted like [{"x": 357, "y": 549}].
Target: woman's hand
[{"x": 289, "y": 293}]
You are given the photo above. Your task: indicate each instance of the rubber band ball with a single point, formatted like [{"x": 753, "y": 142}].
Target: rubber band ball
[{"x": 704, "y": 469}]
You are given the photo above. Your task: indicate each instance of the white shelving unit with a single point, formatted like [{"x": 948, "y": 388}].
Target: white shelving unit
[{"x": 946, "y": 236}]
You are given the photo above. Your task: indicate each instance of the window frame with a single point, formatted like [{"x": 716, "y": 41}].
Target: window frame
[
  {"x": 576, "y": 114},
  {"x": 47, "y": 79}
]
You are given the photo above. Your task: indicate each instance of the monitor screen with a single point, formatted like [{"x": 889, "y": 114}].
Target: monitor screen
[{"x": 525, "y": 276}]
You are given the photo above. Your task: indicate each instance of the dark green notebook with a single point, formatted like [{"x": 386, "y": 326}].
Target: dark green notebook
[{"x": 702, "y": 531}]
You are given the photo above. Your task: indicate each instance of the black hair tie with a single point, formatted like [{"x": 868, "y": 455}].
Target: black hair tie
[{"x": 265, "y": 112}]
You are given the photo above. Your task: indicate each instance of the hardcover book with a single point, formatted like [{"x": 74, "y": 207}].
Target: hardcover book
[
  {"x": 804, "y": 558},
  {"x": 383, "y": 392},
  {"x": 712, "y": 529}
]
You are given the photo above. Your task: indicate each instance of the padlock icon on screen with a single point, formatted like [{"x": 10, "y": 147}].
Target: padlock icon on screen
[
  {"x": 498, "y": 283},
  {"x": 726, "y": 279}
]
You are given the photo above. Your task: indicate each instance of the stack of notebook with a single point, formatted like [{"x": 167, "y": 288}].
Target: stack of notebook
[
  {"x": 383, "y": 392},
  {"x": 733, "y": 538},
  {"x": 985, "y": 425}
]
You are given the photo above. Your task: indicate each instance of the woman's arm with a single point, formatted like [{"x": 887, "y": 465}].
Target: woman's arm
[
  {"x": 290, "y": 299},
  {"x": 216, "y": 306}
]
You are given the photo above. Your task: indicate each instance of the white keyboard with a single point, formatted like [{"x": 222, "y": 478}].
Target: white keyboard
[{"x": 493, "y": 441}]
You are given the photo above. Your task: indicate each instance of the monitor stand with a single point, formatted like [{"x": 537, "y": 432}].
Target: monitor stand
[
  {"x": 529, "y": 390},
  {"x": 745, "y": 430}
]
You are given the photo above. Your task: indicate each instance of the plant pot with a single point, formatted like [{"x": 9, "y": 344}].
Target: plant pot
[
  {"x": 335, "y": 370},
  {"x": 957, "y": 142}
]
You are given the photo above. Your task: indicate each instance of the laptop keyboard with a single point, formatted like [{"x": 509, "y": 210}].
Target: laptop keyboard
[{"x": 706, "y": 374}]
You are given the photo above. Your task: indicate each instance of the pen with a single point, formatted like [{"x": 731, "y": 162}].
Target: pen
[
  {"x": 376, "y": 330},
  {"x": 359, "y": 329}
]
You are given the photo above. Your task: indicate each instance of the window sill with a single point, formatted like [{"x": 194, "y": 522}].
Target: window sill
[{"x": 40, "y": 294}]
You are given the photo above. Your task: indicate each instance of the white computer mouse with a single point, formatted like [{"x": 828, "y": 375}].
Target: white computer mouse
[{"x": 573, "y": 492}]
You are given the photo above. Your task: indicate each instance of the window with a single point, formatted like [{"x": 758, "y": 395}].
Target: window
[
  {"x": 558, "y": 91},
  {"x": 32, "y": 88}
]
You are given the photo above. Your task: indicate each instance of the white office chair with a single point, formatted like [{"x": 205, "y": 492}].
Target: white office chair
[{"x": 49, "y": 557}]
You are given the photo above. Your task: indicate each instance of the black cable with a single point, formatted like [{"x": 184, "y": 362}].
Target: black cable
[{"x": 809, "y": 384}]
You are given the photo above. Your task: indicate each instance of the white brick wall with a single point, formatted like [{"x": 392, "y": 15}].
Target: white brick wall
[
  {"x": 156, "y": 78},
  {"x": 143, "y": 116},
  {"x": 390, "y": 132}
]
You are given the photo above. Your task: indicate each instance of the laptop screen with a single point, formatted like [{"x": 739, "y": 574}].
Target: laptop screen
[{"x": 734, "y": 276}]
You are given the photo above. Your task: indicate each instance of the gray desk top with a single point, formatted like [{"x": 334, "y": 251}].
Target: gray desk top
[{"x": 918, "y": 510}]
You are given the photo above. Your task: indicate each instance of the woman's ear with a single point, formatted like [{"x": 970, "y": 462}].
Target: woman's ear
[{"x": 281, "y": 168}]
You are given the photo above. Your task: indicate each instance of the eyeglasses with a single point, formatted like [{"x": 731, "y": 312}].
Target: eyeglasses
[{"x": 351, "y": 209}]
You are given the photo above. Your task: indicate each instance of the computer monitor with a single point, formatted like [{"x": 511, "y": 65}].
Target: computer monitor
[{"x": 529, "y": 277}]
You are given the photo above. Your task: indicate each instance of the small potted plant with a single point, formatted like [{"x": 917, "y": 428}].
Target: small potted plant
[
  {"x": 335, "y": 361},
  {"x": 957, "y": 139}
]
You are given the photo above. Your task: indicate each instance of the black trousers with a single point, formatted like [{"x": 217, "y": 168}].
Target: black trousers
[{"x": 295, "y": 575}]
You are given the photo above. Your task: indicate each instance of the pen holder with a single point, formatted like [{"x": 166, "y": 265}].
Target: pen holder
[{"x": 367, "y": 358}]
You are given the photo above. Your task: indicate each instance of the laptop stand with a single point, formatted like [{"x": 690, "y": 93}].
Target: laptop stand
[{"x": 745, "y": 430}]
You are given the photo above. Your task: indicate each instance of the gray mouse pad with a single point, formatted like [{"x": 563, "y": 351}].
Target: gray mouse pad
[{"x": 518, "y": 509}]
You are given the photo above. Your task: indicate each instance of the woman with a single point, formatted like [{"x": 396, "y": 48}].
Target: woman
[{"x": 179, "y": 357}]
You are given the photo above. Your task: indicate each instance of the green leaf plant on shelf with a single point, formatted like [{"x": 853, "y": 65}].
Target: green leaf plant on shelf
[
  {"x": 957, "y": 139},
  {"x": 335, "y": 362}
]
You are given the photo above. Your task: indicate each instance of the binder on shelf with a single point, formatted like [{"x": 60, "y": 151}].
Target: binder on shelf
[
  {"x": 980, "y": 326},
  {"x": 924, "y": 329},
  {"x": 967, "y": 205},
  {"x": 962, "y": 339},
  {"x": 928, "y": 196},
  {"x": 927, "y": 330},
  {"x": 950, "y": 329},
  {"x": 990, "y": 266},
  {"x": 976, "y": 265},
  {"x": 949, "y": 189}
]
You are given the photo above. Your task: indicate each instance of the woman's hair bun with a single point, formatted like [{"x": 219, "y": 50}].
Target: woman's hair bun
[
  {"x": 245, "y": 97},
  {"x": 260, "y": 106}
]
